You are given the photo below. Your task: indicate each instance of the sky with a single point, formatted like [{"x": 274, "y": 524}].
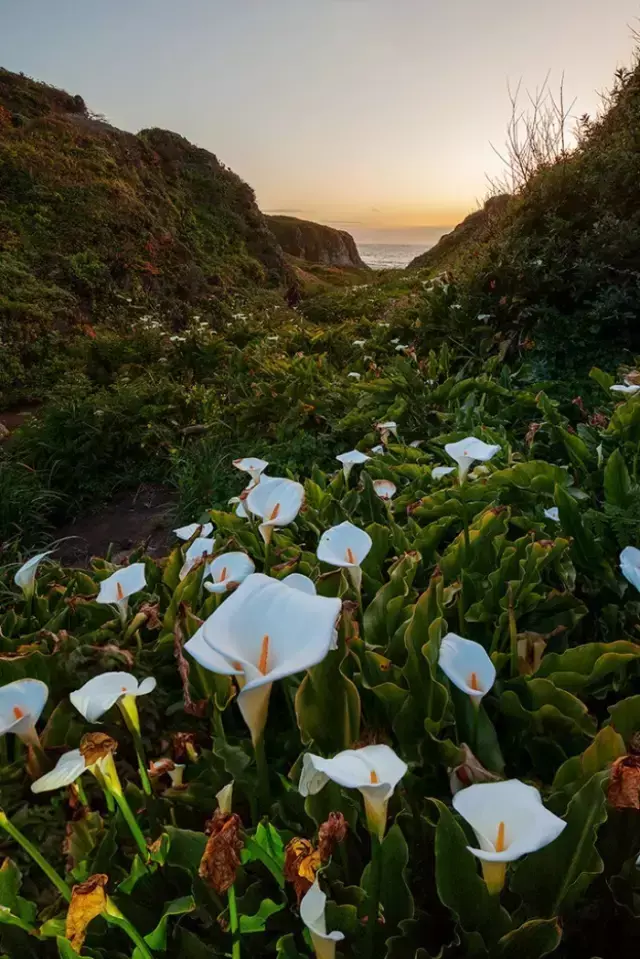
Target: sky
[{"x": 376, "y": 116}]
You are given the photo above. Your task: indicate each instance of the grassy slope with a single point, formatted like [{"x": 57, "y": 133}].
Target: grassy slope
[{"x": 94, "y": 218}]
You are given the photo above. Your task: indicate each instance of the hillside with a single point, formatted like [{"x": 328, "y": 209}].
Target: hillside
[
  {"x": 475, "y": 229},
  {"x": 315, "y": 243},
  {"x": 94, "y": 218}
]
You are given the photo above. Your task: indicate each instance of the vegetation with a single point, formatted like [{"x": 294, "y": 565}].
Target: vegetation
[{"x": 474, "y": 550}]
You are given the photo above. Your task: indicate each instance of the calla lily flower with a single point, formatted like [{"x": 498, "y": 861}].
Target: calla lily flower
[
  {"x": 553, "y": 513},
  {"x": 345, "y": 546},
  {"x": 351, "y": 459},
  {"x": 228, "y": 571},
  {"x": 225, "y": 799},
  {"x": 278, "y": 501},
  {"x": 416, "y": 444},
  {"x": 252, "y": 465},
  {"x": 377, "y": 449},
  {"x": 69, "y": 767},
  {"x": 374, "y": 770},
  {"x": 354, "y": 376},
  {"x": 401, "y": 347},
  {"x": 200, "y": 548},
  {"x": 385, "y": 489},
  {"x": 21, "y": 705},
  {"x": 99, "y": 694},
  {"x": 630, "y": 565},
  {"x": 186, "y": 532},
  {"x": 387, "y": 428},
  {"x": 359, "y": 342},
  {"x": 509, "y": 821},
  {"x": 261, "y": 633},
  {"x": 467, "y": 665},
  {"x": 303, "y": 583},
  {"x": 629, "y": 389},
  {"x": 468, "y": 451},
  {"x": 122, "y": 584},
  {"x": 25, "y": 577},
  {"x": 312, "y": 909},
  {"x": 439, "y": 471}
]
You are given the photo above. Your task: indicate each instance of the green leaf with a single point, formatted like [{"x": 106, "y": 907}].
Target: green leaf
[
  {"x": 66, "y": 950},
  {"x": 327, "y": 704},
  {"x": 551, "y": 880},
  {"x": 617, "y": 482},
  {"x": 588, "y": 664},
  {"x": 258, "y": 921},
  {"x": 286, "y": 949},
  {"x": 604, "y": 380},
  {"x": 532, "y": 940},
  {"x": 459, "y": 885},
  {"x": 395, "y": 896},
  {"x": 625, "y": 717},
  {"x": 157, "y": 938},
  {"x": 186, "y": 849},
  {"x": 266, "y": 846}
]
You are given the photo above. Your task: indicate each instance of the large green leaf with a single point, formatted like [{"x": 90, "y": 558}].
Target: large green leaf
[
  {"x": 625, "y": 717},
  {"x": 532, "y": 940},
  {"x": 157, "y": 938},
  {"x": 459, "y": 884},
  {"x": 617, "y": 482},
  {"x": 588, "y": 664},
  {"x": 395, "y": 896},
  {"x": 551, "y": 880}
]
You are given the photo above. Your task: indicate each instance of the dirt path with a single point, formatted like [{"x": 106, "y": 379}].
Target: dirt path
[{"x": 143, "y": 516}]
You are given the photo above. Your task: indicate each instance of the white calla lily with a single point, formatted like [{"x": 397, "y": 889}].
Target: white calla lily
[
  {"x": 252, "y": 465},
  {"x": 21, "y": 705},
  {"x": 199, "y": 549},
  {"x": 25, "y": 577},
  {"x": 467, "y": 665},
  {"x": 628, "y": 389},
  {"x": 630, "y": 565},
  {"x": 509, "y": 821},
  {"x": 229, "y": 570},
  {"x": 261, "y": 633},
  {"x": 374, "y": 770},
  {"x": 312, "y": 913},
  {"x": 439, "y": 471},
  {"x": 69, "y": 767},
  {"x": 122, "y": 584},
  {"x": 360, "y": 343},
  {"x": 377, "y": 449},
  {"x": 301, "y": 582},
  {"x": 277, "y": 501},
  {"x": 225, "y": 799},
  {"x": 186, "y": 532},
  {"x": 99, "y": 694},
  {"x": 385, "y": 489},
  {"x": 351, "y": 459},
  {"x": 354, "y": 376},
  {"x": 345, "y": 546},
  {"x": 468, "y": 451},
  {"x": 553, "y": 513},
  {"x": 416, "y": 444},
  {"x": 389, "y": 427}
]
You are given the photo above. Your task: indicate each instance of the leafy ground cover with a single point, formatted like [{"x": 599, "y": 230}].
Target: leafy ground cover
[{"x": 514, "y": 548}]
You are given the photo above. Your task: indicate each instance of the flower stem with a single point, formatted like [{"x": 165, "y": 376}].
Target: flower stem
[
  {"x": 37, "y": 857},
  {"x": 129, "y": 710},
  {"x": 465, "y": 522},
  {"x": 132, "y": 823},
  {"x": 233, "y": 921},
  {"x": 113, "y": 916},
  {"x": 264, "y": 793},
  {"x": 513, "y": 635},
  {"x": 375, "y": 883}
]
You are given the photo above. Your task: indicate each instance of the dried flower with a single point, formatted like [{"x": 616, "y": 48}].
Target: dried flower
[
  {"x": 221, "y": 856},
  {"x": 624, "y": 784},
  {"x": 302, "y": 861},
  {"x": 88, "y": 900}
]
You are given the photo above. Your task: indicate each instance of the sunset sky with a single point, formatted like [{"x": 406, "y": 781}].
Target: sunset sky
[{"x": 368, "y": 114}]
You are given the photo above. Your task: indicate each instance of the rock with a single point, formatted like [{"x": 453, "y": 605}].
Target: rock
[
  {"x": 474, "y": 229},
  {"x": 315, "y": 243}
]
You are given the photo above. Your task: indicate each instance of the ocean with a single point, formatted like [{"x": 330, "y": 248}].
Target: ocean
[{"x": 391, "y": 256}]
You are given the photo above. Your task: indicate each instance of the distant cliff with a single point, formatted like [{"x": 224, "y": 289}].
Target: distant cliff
[
  {"x": 474, "y": 229},
  {"x": 315, "y": 243}
]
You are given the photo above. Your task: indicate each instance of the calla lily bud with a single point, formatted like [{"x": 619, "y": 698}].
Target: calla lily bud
[
  {"x": 312, "y": 913},
  {"x": 225, "y": 798}
]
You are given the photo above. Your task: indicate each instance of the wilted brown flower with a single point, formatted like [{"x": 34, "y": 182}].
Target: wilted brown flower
[
  {"x": 624, "y": 784},
  {"x": 221, "y": 856},
  {"x": 88, "y": 900},
  {"x": 599, "y": 420},
  {"x": 95, "y": 746},
  {"x": 158, "y": 767},
  {"x": 531, "y": 433},
  {"x": 469, "y": 771},
  {"x": 531, "y": 647},
  {"x": 632, "y": 378},
  {"x": 302, "y": 861},
  {"x": 183, "y": 746},
  {"x": 151, "y": 611}
]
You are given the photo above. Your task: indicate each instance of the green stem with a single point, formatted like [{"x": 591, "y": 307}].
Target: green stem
[
  {"x": 375, "y": 883},
  {"x": 267, "y": 558},
  {"x": 465, "y": 522},
  {"x": 80, "y": 792},
  {"x": 132, "y": 722},
  {"x": 132, "y": 823},
  {"x": 460, "y": 605},
  {"x": 31, "y": 850},
  {"x": 113, "y": 916},
  {"x": 235, "y": 925},
  {"x": 264, "y": 794},
  {"x": 513, "y": 635}
]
